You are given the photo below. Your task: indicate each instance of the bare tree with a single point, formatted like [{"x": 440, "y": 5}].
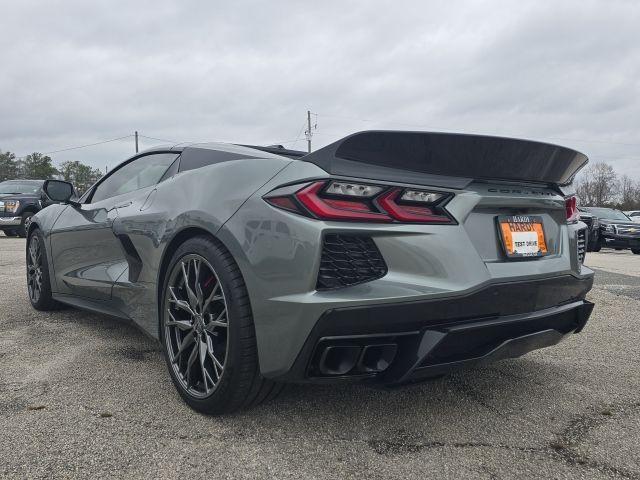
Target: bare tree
[
  {"x": 629, "y": 193},
  {"x": 598, "y": 185}
]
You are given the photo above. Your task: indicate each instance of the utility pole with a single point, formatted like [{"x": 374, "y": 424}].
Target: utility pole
[
  {"x": 136, "y": 141},
  {"x": 308, "y": 131}
]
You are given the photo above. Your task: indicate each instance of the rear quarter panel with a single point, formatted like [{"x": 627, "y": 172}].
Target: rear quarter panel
[{"x": 204, "y": 198}]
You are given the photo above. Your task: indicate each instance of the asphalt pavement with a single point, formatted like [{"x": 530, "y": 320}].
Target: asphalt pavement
[{"x": 87, "y": 396}]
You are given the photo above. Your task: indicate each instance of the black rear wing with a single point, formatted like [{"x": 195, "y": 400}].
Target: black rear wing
[{"x": 447, "y": 159}]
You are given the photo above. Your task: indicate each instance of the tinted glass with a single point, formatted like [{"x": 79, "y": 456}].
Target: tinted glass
[
  {"x": 607, "y": 213},
  {"x": 140, "y": 173},
  {"x": 20, "y": 187},
  {"x": 172, "y": 170},
  {"x": 193, "y": 158}
]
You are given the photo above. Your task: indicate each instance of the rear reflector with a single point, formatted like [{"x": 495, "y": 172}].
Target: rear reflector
[{"x": 359, "y": 202}]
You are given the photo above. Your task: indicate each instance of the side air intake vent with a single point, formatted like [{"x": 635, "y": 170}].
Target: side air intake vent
[
  {"x": 349, "y": 260},
  {"x": 582, "y": 244}
]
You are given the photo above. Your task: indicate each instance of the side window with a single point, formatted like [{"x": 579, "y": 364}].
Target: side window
[
  {"x": 172, "y": 170},
  {"x": 139, "y": 173},
  {"x": 193, "y": 158}
]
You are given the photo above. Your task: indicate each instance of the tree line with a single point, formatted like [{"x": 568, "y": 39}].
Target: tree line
[
  {"x": 37, "y": 166},
  {"x": 600, "y": 186}
]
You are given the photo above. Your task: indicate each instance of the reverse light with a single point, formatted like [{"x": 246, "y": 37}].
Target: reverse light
[
  {"x": 353, "y": 189},
  {"x": 359, "y": 202},
  {"x": 419, "y": 196},
  {"x": 571, "y": 207}
]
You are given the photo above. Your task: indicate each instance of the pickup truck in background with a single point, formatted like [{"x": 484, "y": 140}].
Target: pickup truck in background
[{"x": 19, "y": 201}]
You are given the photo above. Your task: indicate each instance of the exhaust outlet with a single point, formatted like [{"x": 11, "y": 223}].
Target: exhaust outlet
[
  {"x": 339, "y": 360},
  {"x": 377, "y": 358}
]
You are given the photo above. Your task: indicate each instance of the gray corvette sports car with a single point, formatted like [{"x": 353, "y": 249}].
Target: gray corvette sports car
[{"x": 386, "y": 257}]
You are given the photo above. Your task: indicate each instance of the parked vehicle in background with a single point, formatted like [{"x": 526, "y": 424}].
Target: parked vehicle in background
[
  {"x": 616, "y": 230},
  {"x": 19, "y": 201},
  {"x": 593, "y": 229},
  {"x": 633, "y": 215}
]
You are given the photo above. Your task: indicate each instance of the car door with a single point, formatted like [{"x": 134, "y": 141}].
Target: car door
[{"x": 86, "y": 254}]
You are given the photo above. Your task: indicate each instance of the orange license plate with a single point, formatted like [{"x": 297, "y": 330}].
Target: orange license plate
[{"x": 522, "y": 236}]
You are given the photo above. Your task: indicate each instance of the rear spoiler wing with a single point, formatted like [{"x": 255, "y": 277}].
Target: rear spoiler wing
[{"x": 450, "y": 160}]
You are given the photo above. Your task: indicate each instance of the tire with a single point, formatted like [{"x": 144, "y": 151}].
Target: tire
[
  {"x": 10, "y": 233},
  {"x": 24, "y": 224},
  {"x": 219, "y": 322},
  {"x": 38, "y": 280},
  {"x": 636, "y": 251}
]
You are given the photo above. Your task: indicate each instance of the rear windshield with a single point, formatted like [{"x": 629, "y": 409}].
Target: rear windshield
[{"x": 15, "y": 188}]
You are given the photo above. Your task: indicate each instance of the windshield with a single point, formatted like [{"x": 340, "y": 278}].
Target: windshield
[
  {"x": 607, "y": 213},
  {"x": 17, "y": 187}
]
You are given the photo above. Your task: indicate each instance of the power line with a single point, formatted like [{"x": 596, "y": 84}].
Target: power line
[
  {"x": 66, "y": 149},
  {"x": 159, "y": 139}
]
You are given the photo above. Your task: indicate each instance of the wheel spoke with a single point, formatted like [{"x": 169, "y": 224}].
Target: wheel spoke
[
  {"x": 182, "y": 304},
  {"x": 218, "y": 322},
  {"x": 203, "y": 356},
  {"x": 190, "y": 362},
  {"x": 33, "y": 251},
  {"x": 186, "y": 341},
  {"x": 212, "y": 297},
  {"x": 217, "y": 366},
  {"x": 197, "y": 286},
  {"x": 193, "y": 301},
  {"x": 183, "y": 325}
]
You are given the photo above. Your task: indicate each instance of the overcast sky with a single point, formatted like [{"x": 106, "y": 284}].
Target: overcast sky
[{"x": 78, "y": 72}]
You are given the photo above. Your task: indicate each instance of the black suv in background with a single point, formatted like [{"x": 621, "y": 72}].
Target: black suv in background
[
  {"x": 19, "y": 201},
  {"x": 593, "y": 230},
  {"x": 611, "y": 228}
]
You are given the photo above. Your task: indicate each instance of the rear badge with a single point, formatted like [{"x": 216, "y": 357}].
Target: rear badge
[{"x": 522, "y": 236}]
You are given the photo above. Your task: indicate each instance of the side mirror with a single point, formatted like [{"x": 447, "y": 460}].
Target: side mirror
[{"x": 58, "y": 191}]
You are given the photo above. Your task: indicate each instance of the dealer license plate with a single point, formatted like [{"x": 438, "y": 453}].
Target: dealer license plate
[{"x": 522, "y": 236}]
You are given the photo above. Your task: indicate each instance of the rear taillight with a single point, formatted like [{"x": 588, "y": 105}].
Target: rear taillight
[
  {"x": 355, "y": 202},
  {"x": 571, "y": 206}
]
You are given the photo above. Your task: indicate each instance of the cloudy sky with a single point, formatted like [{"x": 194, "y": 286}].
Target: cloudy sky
[{"x": 77, "y": 72}]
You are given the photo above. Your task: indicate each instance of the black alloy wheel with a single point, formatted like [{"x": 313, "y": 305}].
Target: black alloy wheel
[
  {"x": 197, "y": 328},
  {"x": 34, "y": 270},
  {"x": 38, "y": 282},
  {"x": 207, "y": 330}
]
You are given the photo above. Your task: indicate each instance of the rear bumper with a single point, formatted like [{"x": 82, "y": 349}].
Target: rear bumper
[
  {"x": 395, "y": 343},
  {"x": 10, "y": 221}
]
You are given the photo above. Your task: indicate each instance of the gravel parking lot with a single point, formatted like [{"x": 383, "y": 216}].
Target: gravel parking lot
[{"x": 84, "y": 395}]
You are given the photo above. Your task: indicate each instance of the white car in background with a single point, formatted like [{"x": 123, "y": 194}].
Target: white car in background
[{"x": 633, "y": 215}]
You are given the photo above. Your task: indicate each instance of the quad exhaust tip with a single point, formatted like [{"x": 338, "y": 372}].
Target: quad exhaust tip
[{"x": 356, "y": 359}]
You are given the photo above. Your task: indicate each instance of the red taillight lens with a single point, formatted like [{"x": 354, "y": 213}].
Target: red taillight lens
[
  {"x": 409, "y": 212},
  {"x": 355, "y": 202},
  {"x": 337, "y": 209},
  {"x": 571, "y": 206}
]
